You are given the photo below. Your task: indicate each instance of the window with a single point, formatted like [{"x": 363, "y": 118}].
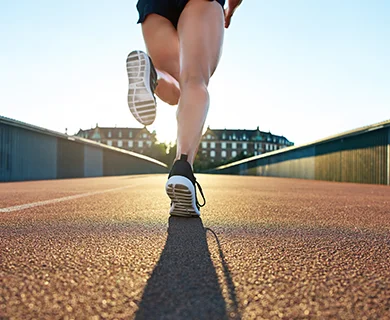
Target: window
[
  {"x": 130, "y": 134},
  {"x": 120, "y": 143},
  {"x": 234, "y": 154},
  {"x": 140, "y": 144},
  {"x": 223, "y": 145},
  {"x": 223, "y": 136},
  {"x": 120, "y": 134},
  {"x": 149, "y": 143},
  {"x": 245, "y": 153},
  {"x": 266, "y": 146},
  {"x": 130, "y": 143},
  {"x": 212, "y": 145},
  {"x": 223, "y": 154},
  {"x": 208, "y": 137},
  {"x": 244, "y": 145},
  {"x": 204, "y": 145},
  {"x": 234, "y": 136},
  {"x": 145, "y": 135},
  {"x": 212, "y": 153},
  {"x": 95, "y": 136},
  {"x": 109, "y": 134},
  {"x": 244, "y": 137},
  {"x": 109, "y": 142},
  {"x": 234, "y": 145}
]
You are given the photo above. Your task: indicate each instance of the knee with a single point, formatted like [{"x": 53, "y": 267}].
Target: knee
[{"x": 191, "y": 80}]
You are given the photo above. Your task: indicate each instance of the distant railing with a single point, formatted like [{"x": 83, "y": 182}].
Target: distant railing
[
  {"x": 29, "y": 152},
  {"x": 361, "y": 155}
]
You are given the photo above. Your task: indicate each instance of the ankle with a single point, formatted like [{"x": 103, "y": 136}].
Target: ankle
[{"x": 184, "y": 157}]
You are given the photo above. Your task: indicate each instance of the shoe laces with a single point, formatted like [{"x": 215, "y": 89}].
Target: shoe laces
[
  {"x": 201, "y": 192},
  {"x": 153, "y": 78},
  {"x": 154, "y": 84}
]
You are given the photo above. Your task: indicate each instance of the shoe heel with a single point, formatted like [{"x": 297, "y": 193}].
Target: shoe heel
[{"x": 182, "y": 194}]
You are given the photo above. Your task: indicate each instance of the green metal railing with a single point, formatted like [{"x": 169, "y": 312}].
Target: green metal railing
[
  {"x": 361, "y": 156},
  {"x": 28, "y": 152}
]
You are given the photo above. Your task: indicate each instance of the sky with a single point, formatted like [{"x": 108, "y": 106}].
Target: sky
[{"x": 298, "y": 68}]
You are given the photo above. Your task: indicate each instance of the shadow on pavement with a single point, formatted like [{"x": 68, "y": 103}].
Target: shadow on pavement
[
  {"x": 184, "y": 283},
  {"x": 232, "y": 298}
]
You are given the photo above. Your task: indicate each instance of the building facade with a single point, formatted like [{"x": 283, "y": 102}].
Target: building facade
[
  {"x": 139, "y": 140},
  {"x": 223, "y": 145}
]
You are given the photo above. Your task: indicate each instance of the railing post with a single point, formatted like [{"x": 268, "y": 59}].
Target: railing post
[{"x": 388, "y": 157}]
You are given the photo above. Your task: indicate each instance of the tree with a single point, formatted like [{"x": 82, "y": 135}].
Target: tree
[{"x": 157, "y": 151}]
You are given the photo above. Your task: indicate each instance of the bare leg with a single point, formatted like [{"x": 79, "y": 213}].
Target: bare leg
[
  {"x": 162, "y": 43},
  {"x": 168, "y": 88},
  {"x": 200, "y": 29}
]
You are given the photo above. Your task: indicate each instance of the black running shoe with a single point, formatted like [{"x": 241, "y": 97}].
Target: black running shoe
[
  {"x": 181, "y": 188},
  {"x": 142, "y": 83}
]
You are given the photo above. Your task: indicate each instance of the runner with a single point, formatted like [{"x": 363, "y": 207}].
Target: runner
[{"x": 184, "y": 42}]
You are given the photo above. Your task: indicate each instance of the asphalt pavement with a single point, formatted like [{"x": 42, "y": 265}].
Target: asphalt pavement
[{"x": 264, "y": 248}]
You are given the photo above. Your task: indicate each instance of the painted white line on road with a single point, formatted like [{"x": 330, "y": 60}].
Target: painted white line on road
[{"x": 45, "y": 202}]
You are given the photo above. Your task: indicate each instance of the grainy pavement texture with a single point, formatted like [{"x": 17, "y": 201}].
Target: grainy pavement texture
[{"x": 264, "y": 248}]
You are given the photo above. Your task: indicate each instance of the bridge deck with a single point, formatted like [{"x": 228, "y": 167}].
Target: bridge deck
[{"x": 265, "y": 248}]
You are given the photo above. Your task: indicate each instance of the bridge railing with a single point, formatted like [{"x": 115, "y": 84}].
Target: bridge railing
[
  {"x": 29, "y": 152},
  {"x": 361, "y": 155}
]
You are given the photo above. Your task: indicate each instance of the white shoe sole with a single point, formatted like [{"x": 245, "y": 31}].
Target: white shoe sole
[
  {"x": 142, "y": 103},
  {"x": 182, "y": 194}
]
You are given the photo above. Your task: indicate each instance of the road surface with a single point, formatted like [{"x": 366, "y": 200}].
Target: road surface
[{"x": 265, "y": 248}]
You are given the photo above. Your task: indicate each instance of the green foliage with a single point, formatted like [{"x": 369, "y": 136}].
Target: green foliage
[
  {"x": 166, "y": 153},
  {"x": 202, "y": 163},
  {"x": 162, "y": 152}
]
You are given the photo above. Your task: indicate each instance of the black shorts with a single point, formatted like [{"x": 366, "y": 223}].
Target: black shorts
[{"x": 170, "y": 9}]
